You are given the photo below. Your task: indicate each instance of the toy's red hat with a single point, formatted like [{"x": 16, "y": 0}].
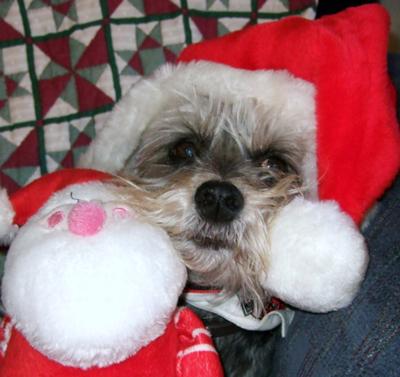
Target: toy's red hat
[
  {"x": 344, "y": 56},
  {"x": 24, "y": 203}
]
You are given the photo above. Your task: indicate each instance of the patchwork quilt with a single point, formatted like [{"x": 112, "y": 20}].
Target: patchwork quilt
[{"x": 64, "y": 63}]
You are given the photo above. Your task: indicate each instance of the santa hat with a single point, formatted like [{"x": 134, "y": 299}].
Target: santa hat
[
  {"x": 344, "y": 56},
  {"x": 16, "y": 210},
  {"x": 324, "y": 79},
  {"x": 353, "y": 129}
]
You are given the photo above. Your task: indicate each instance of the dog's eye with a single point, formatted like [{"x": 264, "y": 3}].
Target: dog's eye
[
  {"x": 183, "y": 152},
  {"x": 274, "y": 164}
]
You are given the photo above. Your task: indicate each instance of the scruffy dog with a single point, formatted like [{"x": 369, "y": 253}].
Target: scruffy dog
[
  {"x": 220, "y": 185},
  {"x": 222, "y": 150}
]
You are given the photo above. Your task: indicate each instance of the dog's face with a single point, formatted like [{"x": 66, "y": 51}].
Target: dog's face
[{"x": 220, "y": 171}]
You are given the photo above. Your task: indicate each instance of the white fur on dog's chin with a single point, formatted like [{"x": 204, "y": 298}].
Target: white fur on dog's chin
[
  {"x": 290, "y": 103},
  {"x": 91, "y": 301},
  {"x": 318, "y": 258}
]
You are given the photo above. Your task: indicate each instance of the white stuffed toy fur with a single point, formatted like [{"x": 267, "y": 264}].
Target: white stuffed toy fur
[{"x": 7, "y": 230}]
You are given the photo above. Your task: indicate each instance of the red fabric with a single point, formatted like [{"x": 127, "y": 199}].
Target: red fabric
[
  {"x": 197, "y": 356},
  {"x": 27, "y": 201},
  {"x": 161, "y": 358},
  {"x": 344, "y": 55}
]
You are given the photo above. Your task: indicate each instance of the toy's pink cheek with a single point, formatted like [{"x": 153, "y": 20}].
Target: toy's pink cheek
[
  {"x": 86, "y": 218},
  {"x": 55, "y": 219}
]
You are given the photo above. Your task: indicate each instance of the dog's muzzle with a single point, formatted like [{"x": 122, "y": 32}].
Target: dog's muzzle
[{"x": 218, "y": 201}]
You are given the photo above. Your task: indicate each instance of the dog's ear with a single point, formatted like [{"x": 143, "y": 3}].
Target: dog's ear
[{"x": 120, "y": 135}]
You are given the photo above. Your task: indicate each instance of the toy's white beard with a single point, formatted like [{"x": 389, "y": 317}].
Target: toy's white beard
[{"x": 91, "y": 301}]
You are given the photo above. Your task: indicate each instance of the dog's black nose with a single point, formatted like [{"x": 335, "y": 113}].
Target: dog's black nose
[{"x": 218, "y": 201}]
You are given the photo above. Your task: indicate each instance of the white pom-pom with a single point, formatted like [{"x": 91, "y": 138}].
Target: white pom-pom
[
  {"x": 318, "y": 258},
  {"x": 7, "y": 229}
]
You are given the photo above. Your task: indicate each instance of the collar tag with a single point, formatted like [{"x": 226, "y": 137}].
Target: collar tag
[{"x": 247, "y": 307}]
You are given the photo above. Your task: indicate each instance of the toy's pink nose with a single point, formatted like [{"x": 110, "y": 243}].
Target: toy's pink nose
[{"x": 86, "y": 218}]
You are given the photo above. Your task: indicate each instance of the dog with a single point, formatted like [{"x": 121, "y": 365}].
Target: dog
[
  {"x": 218, "y": 191},
  {"x": 221, "y": 151},
  {"x": 221, "y": 162}
]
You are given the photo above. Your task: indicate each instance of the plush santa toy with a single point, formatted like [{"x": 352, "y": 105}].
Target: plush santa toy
[
  {"x": 91, "y": 290},
  {"x": 330, "y": 82}
]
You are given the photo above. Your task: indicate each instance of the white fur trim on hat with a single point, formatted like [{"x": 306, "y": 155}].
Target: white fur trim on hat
[
  {"x": 7, "y": 229},
  {"x": 318, "y": 258}
]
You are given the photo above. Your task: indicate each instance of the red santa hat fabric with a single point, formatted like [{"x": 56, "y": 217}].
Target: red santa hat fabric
[{"x": 344, "y": 56}]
